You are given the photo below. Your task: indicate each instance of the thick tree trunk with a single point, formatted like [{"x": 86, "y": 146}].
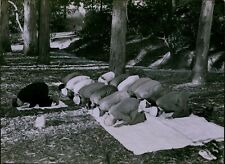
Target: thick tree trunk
[
  {"x": 118, "y": 37},
  {"x": 4, "y": 23},
  {"x": 202, "y": 44},
  {"x": 30, "y": 28},
  {"x": 43, "y": 33}
]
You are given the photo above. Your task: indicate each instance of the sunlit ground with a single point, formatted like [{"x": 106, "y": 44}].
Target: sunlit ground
[{"x": 71, "y": 135}]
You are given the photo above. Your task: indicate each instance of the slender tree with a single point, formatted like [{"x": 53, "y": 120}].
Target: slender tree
[
  {"x": 16, "y": 14},
  {"x": 200, "y": 68},
  {"x": 0, "y": 27},
  {"x": 173, "y": 4},
  {"x": 30, "y": 28},
  {"x": 4, "y": 23},
  {"x": 92, "y": 4},
  {"x": 1, "y": 51},
  {"x": 101, "y": 5},
  {"x": 64, "y": 9},
  {"x": 118, "y": 37},
  {"x": 43, "y": 33}
]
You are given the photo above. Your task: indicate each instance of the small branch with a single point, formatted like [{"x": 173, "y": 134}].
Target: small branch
[
  {"x": 127, "y": 11},
  {"x": 17, "y": 15},
  {"x": 165, "y": 40}
]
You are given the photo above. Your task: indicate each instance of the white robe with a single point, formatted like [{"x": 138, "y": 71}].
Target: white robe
[
  {"x": 106, "y": 77},
  {"x": 124, "y": 85},
  {"x": 70, "y": 84}
]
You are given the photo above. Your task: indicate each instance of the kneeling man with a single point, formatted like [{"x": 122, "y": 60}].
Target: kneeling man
[
  {"x": 126, "y": 111},
  {"x": 35, "y": 94}
]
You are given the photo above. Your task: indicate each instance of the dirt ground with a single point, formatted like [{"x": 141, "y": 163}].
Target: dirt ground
[{"x": 73, "y": 136}]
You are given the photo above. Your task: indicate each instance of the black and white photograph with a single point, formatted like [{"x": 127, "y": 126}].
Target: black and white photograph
[{"x": 112, "y": 81}]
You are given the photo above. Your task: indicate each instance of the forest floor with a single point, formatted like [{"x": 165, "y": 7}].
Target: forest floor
[{"x": 73, "y": 136}]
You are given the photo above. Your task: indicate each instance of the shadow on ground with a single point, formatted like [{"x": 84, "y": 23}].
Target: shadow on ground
[{"x": 71, "y": 135}]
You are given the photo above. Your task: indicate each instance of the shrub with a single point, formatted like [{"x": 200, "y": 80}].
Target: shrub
[{"x": 97, "y": 28}]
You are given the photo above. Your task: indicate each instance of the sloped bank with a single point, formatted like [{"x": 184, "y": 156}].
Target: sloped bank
[{"x": 150, "y": 52}]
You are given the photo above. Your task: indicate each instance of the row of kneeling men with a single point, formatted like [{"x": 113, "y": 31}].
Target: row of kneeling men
[{"x": 125, "y": 98}]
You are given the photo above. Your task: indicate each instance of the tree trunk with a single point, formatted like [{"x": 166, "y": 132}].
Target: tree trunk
[
  {"x": 202, "y": 44},
  {"x": 17, "y": 15},
  {"x": 118, "y": 37},
  {"x": 1, "y": 54},
  {"x": 92, "y": 4},
  {"x": 30, "y": 28},
  {"x": 101, "y": 3},
  {"x": 64, "y": 11},
  {"x": 4, "y": 23},
  {"x": 2, "y": 60},
  {"x": 173, "y": 5},
  {"x": 43, "y": 32}
]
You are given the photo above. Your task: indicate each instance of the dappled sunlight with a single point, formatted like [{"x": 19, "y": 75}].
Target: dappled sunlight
[{"x": 112, "y": 81}]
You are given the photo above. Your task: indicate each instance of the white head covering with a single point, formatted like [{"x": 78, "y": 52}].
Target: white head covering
[
  {"x": 64, "y": 92},
  {"x": 109, "y": 120},
  {"x": 96, "y": 112},
  {"x": 142, "y": 105},
  {"x": 152, "y": 111},
  {"x": 76, "y": 99},
  {"x": 125, "y": 84},
  {"x": 106, "y": 77}
]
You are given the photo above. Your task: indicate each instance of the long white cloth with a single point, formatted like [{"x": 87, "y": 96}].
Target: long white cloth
[
  {"x": 60, "y": 105},
  {"x": 162, "y": 134}
]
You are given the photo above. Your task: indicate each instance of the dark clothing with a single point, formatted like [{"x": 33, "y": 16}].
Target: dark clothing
[
  {"x": 88, "y": 90},
  {"x": 104, "y": 91},
  {"x": 117, "y": 80},
  {"x": 176, "y": 102},
  {"x": 35, "y": 94}
]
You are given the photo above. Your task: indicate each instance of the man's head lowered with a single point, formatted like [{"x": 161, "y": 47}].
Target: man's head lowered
[
  {"x": 36, "y": 93},
  {"x": 16, "y": 102}
]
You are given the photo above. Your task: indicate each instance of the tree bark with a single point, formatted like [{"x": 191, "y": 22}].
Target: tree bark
[
  {"x": 101, "y": 4},
  {"x": 1, "y": 51},
  {"x": 4, "y": 23},
  {"x": 202, "y": 44},
  {"x": 92, "y": 4},
  {"x": 30, "y": 28},
  {"x": 17, "y": 15},
  {"x": 43, "y": 33},
  {"x": 118, "y": 37},
  {"x": 1, "y": 29},
  {"x": 64, "y": 11},
  {"x": 173, "y": 5}
]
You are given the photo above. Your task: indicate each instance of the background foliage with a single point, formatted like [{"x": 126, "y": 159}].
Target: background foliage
[{"x": 177, "y": 24}]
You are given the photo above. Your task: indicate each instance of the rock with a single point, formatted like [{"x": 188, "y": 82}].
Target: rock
[
  {"x": 206, "y": 154},
  {"x": 40, "y": 122}
]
